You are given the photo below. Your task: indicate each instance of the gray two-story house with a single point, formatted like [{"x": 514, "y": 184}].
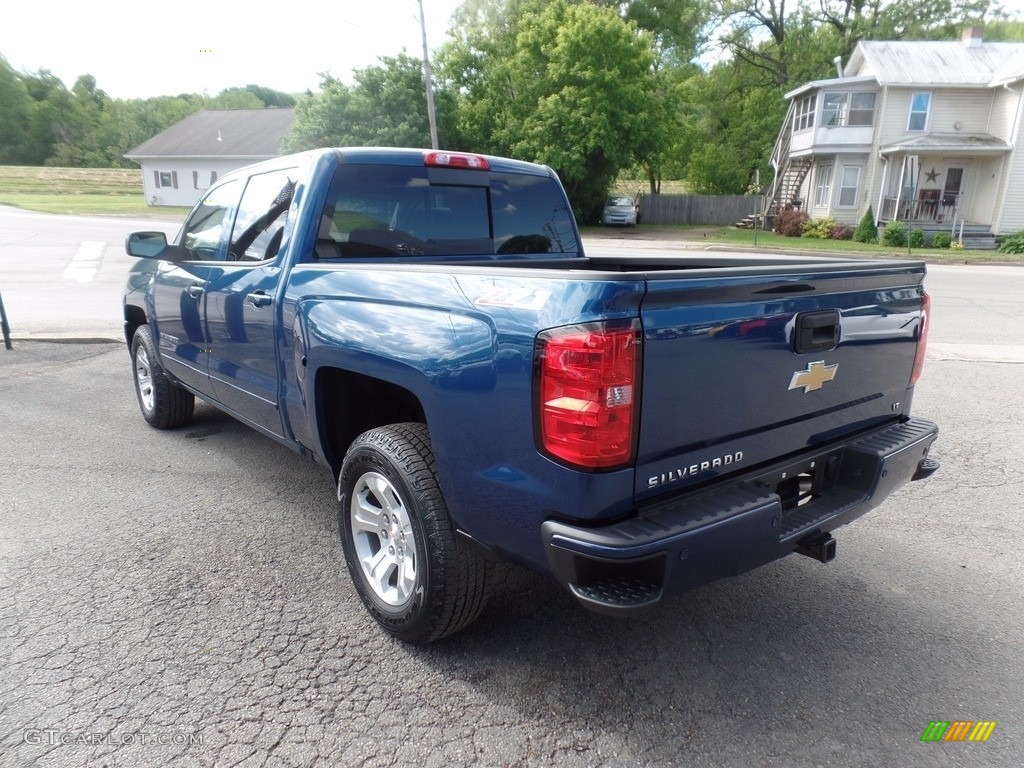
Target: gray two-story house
[{"x": 925, "y": 132}]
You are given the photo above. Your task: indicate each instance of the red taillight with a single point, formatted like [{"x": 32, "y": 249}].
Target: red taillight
[
  {"x": 587, "y": 395},
  {"x": 922, "y": 339},
  {"x": 456, "y": 160}
]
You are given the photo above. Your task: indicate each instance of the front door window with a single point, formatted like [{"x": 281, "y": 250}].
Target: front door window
[
  {"x": 204, "y": 235},
  {"x": 952, "y": 186}
]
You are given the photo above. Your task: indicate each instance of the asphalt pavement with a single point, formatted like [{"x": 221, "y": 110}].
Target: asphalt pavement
[{"x": 180, "y": 598}]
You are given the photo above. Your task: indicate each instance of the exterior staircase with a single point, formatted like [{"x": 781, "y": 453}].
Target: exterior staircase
[{"x": 790, "y": 172}]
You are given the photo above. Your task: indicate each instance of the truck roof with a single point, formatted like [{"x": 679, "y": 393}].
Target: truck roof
[{"x": 412, "y": 156}]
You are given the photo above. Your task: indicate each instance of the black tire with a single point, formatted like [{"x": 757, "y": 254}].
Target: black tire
[
  {"x": 164, "y": 404},
  {"x": 394, "y": 522}
]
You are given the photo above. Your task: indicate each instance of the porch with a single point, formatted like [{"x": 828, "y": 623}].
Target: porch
[
  {"x": 941, "y": 183},
  {"x": 932, "y": 214}
]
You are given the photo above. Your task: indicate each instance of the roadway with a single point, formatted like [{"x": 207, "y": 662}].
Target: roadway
[{"x": 188, "y": 587}]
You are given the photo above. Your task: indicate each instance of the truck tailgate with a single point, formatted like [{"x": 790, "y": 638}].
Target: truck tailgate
[{"x": 740, "y": 370}]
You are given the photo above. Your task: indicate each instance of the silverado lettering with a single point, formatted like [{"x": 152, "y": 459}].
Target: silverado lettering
[{"x": 693, "y": 469}]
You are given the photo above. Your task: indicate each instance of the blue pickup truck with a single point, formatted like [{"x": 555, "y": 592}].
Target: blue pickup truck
[{"x": 428, "y": 325}]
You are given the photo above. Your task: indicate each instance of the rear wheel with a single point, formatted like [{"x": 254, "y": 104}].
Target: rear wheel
[
  {"x": 411, "y": 570},
  {"x": 164, "y": 404}
]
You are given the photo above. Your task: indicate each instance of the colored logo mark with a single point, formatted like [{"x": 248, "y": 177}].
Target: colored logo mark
[{"x": 958, "y": 730}]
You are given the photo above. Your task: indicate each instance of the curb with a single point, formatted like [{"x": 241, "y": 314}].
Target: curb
[{"x": 73, "y": 337}]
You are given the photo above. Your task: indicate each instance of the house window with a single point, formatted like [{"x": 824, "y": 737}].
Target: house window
[
  {"x": 203, "y": 179},
  {"x": 849, "y": 186},
  {"x": 833, "y": 108},
  {"x": 803, "y": 116},
  {"x": 862, "y": 109},
  {"x": 823, "y": 188},
  {"x": 919, "y": 106},
  {"x": 166, "y": 179}
]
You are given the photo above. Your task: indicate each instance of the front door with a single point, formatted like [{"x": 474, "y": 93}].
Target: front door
[
  {"x": 179, "y": 287},
  {"x": 952, "y": 190},
  {"x": 241, "y": 302}
]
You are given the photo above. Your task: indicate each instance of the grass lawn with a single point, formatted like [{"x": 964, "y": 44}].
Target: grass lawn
[
  {"x": 771, "y": 241},
  {"x": 78, "y": 191}
]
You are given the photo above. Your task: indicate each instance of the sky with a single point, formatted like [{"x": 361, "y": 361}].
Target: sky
[{"x": 141, "y": 49}]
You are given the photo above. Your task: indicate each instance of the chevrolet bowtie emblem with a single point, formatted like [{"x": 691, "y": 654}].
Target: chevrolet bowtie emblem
[{"x": 812, "y": 379}]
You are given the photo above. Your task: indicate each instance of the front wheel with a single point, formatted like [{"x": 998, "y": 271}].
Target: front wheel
[
  {"x": 412, "y": 572},
  {"x": 164, "y": 404}
]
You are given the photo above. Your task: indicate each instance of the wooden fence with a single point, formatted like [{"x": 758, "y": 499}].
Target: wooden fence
[{"x": 696, "y": 209}]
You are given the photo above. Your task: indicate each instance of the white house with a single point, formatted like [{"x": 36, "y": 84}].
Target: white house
[
  {"x": 180, "y": 163},
  {"x": 924, "y": 132}
]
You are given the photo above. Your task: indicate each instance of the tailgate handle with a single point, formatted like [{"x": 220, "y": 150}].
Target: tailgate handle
[{"x": 816, "y": 331}]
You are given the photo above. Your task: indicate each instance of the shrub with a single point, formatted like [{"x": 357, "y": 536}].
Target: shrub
[
  {"x": 916, "y": 238},
  {"x": 894, "y": 234},
  {"x": 866, "y": 231},
  {"x": 1013, "y": 244},
  {"x": 791, "y": 223},
  {"x": 957, "y": 245},
  {"x": 819, "y": 229},
  {"x": 841, "y": 232},
  {"x": 941, "y": 240}
]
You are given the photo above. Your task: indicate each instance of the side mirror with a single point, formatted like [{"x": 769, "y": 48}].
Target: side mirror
[{"x": 146, "y": 245}]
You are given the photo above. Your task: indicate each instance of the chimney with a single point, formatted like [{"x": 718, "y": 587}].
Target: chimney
[{"x": 972, "y": 36}]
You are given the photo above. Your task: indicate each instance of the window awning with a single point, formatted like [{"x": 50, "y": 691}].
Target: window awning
[{"x": 960, "y": 143}]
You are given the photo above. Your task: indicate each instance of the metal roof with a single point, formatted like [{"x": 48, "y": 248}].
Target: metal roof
[
  {"x": 1010, "y": 70},
  {"x": 235, "y": 133},
  {"x": 936, "y": 63}
]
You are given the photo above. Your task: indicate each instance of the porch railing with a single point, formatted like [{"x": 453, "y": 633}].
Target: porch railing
[{"x": 925, "y": 208}]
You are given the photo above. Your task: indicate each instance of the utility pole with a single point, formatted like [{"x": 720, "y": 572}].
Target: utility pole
[
  {"x": 758, "y": 211},
  {"x": 429, "y": 80}
]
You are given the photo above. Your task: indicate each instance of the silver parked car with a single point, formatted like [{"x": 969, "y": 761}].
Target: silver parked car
[{"x": 621, "y": 210}]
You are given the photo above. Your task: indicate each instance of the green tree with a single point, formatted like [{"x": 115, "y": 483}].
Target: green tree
[
  {"x": 88, "y": 136},
  {"x": 867, "y": 230},
  {"x": 386, "y": 106},
  {"x": 235, "y": 98},
  {"x": 678, "y": 27},
  {"x": 732, "y": 117},
  {"x": 592, "y": 111},
  {"x": 15, "y": 108},
  {"x": 565, "y": 83},
  {"x": 267, "y": 97},
  {"x": 50, "y": 120}
]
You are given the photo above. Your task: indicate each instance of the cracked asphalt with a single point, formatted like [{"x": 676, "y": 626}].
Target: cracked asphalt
[{"x": 180, "y": 599}]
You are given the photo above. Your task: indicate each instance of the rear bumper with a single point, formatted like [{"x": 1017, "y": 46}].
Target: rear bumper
[{"x": 691, "y": 540}]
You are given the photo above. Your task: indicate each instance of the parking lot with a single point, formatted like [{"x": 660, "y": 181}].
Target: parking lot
[{"x": 180, "y": 598}]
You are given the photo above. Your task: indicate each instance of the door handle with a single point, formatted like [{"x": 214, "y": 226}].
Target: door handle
[
  {"x": 259, "y": 299},
  {"x": 195, "y": 291}
]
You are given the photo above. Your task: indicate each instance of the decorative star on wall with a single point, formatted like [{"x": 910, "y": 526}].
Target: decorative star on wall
[{"x": 932, "y": 175}]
